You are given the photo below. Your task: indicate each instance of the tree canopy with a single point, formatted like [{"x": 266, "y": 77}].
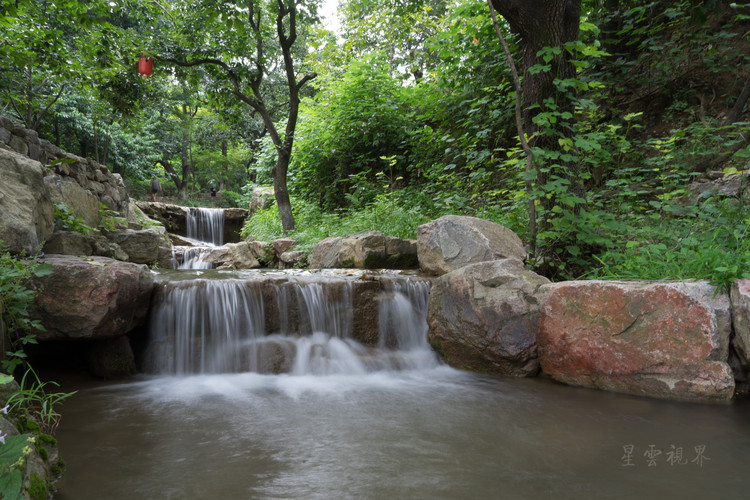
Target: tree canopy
[{"x": 411, "y": 109}]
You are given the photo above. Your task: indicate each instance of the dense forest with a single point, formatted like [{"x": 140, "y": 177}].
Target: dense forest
[{"x": 611, "y": 135}]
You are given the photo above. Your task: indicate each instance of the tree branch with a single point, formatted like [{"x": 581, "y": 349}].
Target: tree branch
[
  {"x": 45, "y": 110},
  {"x": 734, "y": 115}
]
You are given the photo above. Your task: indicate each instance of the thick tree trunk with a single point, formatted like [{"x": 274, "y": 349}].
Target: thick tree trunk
[
  {"x": 281, "y": 193},
  {"x": 542, "y": 23}
]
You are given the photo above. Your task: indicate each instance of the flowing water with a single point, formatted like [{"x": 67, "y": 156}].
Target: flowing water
[
  {"x": 333, "y": 418},
  {"x": 202, "y": 225},
  {"x": 206, "y": 224}
]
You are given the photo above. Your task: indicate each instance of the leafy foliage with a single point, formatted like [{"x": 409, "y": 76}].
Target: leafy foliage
[{"x": 16, "y": 295}]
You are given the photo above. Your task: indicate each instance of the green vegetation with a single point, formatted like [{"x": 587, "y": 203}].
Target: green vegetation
[{"x": 408, "y": 113}]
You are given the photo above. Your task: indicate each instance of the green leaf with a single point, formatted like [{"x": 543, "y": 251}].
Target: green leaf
[{"x": 11, "y": 483}]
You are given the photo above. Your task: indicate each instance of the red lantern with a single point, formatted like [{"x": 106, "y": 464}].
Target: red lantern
[{"x": 145, "y": 66}]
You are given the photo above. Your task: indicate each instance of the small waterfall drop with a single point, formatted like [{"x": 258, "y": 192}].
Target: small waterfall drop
[
  {"x": 206, "y": 224},
  {"x": 290, "y": 325},
  {"x": 402, "y": 316},
  {"x": 202, "y": 225},
  {"x": 195, "y": 258}
]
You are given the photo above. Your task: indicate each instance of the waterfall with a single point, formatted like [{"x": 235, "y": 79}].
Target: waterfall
[
  {"x": 289, "y": 325},
  {"x": 195, "y": 258},
  {"x": 402, "y": 316},
  {"x": 206, "y": 224}
]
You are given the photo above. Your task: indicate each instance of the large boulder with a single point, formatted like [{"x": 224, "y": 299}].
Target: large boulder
[
  {"x": 74, "y": 243},
  {"x": 239, "y": 256},
  {"x": 484, "y": 317},
  {"x": 262, "y": 197},
  {"x": 454, "y": 241},
  {"x": 93, "y": 297},
  {"x": 81, "y": 202},
  {"x": 740, "y": 296},
  {"x": 26, "y": 210},
  {"x": 142, "y": 247},
  {"x": 371, "y": 250},
  {"x": 661, "y": 339}
]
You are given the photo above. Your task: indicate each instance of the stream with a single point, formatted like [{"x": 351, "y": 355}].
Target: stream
[{"x": 211, "y": 418}]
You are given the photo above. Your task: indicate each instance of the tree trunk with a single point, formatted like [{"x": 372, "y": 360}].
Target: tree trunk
[
  {"x": 185, "y": 159},
  {"x": 281, "y": 192},
  {"x": 546, "y": 24},
  {"x": 223, "y": 184}
]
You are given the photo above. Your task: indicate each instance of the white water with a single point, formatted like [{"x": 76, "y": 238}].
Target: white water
[
  {"x": 203, "y": 225},
  {"x": 207, "y": 326},
  {"x": 206, "y": 224}
]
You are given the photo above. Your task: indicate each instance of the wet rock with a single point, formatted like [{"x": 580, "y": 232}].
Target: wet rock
[
  {"x": 26, "y": 211},
  {"x": 111, "y": 358},
  {"x": 484, "y": 317},
  {"x": 660, "y": 339},
  {"x": 93, "y": 297},
  {"x": 453, "y": 241},
  {"x": 174, "y": 218}
]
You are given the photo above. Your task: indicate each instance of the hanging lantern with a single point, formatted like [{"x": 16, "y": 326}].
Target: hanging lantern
[{"x": 145, "y": 66}]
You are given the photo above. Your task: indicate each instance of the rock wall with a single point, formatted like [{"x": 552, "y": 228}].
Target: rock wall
[{"x": 36, "y": 174}]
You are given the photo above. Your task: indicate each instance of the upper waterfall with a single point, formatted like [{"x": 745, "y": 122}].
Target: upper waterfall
[{"x": 206, "y": 224}]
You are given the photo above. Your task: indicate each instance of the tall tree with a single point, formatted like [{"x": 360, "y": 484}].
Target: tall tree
[
  {"x": 545, "y": 27},
  {"x": 236, "y": 26}
]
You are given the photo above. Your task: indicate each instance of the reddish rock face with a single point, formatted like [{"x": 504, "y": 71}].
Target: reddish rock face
[
  {"x": 93, "y": 297},
  {"x": 667, "y": 340}
]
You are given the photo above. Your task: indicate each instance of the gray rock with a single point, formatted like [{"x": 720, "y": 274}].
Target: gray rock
[
  {"x": 292, "y": 259},
  {"x": 262, "y": 197},
  {"x": 142, "y": 246},
  {"x": 365, "y": 251},
  {"x": 69, "y": 243},
  {"x": 26, "y": 210},
  {"x": 239, "y": 256},
  {"x": 485, "y": 317},
  {"x": 81, "y": 203},
  {"x": 453, "y": 241}
]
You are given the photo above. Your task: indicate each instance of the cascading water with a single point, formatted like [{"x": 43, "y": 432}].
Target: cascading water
[
  {"x": 205, "y": 225},
  {"x": 223, "y": 326}
]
